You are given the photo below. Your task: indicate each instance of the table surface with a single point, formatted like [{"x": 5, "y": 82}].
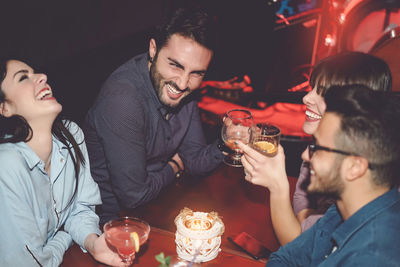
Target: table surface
[
  {"x": 160, "y": 241},
  {"x": 243, "y": 207}
]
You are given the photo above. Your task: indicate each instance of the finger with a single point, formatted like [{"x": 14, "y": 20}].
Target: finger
[
  {"x": 250, "y": 152},
  {"x": 178, "y": 159},
  {"x": 247, "y": 176},
  {"x": 246, "y": 164},
  {"x": 281, "y": 151},
  {"x": 250, "y": 158}
]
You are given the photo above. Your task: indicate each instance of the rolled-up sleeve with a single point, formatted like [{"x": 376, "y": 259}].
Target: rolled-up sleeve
[{"x": 198, "y": 157}]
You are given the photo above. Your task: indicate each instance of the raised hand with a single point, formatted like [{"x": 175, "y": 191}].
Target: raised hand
[{"x": 263, "y": 170}]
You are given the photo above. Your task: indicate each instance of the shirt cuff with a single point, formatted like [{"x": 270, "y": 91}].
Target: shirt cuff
[
  {"x": 97, "y": 232},
  {"x": 216, "y": 151}
]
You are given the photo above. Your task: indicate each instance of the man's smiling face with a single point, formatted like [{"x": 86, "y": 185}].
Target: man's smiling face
[
  {"x": 178, "y": 68},
  {"x": 325, "y": 166}
]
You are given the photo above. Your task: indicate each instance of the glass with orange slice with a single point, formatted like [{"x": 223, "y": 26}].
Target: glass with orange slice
[
  {"x": 265, "y": 139},
  {"x": 127, "y": 234}
]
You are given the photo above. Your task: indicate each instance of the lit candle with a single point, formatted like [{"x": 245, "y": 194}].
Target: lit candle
[{"x": 198, "y": 235}]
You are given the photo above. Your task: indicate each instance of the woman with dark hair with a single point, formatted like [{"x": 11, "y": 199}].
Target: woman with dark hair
[
  {"x": 47, "y": 195},
  {"x": 342, "y": 69}
]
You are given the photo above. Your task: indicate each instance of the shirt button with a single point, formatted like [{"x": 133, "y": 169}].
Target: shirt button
[{"x": 62, "y": 160}]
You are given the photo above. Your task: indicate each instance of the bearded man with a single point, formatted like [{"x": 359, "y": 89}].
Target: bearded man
[
  {"x": 354, "y": 159},
  {"x": 144, "y": 128}
]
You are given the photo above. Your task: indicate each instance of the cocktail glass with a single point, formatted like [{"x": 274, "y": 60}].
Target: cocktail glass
[{"x": 119, "y": 235}]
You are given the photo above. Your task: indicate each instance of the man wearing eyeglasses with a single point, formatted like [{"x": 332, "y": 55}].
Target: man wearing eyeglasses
[{"x": 355, "y": 158}]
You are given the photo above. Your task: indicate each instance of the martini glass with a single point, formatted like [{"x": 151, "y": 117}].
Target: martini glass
[{"x": 118, "y": 234}]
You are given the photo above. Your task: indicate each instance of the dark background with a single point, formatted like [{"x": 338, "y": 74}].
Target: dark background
[{"x": 79, "y": 43}]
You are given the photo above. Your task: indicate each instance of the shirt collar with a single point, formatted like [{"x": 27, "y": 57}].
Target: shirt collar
[
  {"x": 164, "y": 112},
  {"x": 30, "y": 156},
  {"x": 150, "y": 91},
  {"x": 344, "y": 232}
]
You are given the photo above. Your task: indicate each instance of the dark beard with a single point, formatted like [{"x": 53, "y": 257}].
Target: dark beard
[
  {"x": 335, "y": 187},
  {"x": 156, "y": 79}
]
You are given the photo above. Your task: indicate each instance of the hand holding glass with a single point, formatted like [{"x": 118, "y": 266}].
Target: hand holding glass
[
  {"x": 265, "y": 139},
  {"x": 126, "y": 234},
  {"x": 236, "y": 126}
]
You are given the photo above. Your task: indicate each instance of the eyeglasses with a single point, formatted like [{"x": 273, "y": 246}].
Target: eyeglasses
[{"x": 314, "y": 147}]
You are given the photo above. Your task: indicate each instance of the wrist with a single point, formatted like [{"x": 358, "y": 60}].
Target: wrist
[
  {"x": 177, "y": 170},
  {"x": 89, "y": 242},
  {"x": 281, "y": 190},
  {"x": 280, "y": 193}
]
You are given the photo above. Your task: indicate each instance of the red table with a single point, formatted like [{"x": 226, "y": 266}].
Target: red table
[
  {"x": 243, "y": 207},
  {"x": 159, "y": 241}
]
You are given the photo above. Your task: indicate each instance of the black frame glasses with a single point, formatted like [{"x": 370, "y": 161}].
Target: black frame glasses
[{"x": 314, "y": 147}]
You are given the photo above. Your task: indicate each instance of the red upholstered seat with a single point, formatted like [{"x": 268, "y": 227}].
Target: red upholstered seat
[{"x": 287, "y": 116}]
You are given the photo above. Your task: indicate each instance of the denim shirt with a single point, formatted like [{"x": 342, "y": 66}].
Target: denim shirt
[
  {"x": 370, "y": 237},
  {"x": 34, "y": 228}
]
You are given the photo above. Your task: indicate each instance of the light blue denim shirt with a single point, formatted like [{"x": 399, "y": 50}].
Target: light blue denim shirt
[{"x": 32, "y": 204}]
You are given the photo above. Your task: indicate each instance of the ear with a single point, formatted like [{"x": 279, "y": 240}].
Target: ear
[
  {"x": 4, "y": 111},
  {"x": 152, "y": 48},
  {"x": 355, "y": 167}
]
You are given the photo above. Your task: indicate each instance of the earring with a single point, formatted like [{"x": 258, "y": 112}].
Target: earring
[{"x": 151, "y": 60}]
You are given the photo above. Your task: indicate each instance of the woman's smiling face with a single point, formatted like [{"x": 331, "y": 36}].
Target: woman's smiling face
[
  {"x": 27, "y": 93},
  {"x": 315, "y": 109}
]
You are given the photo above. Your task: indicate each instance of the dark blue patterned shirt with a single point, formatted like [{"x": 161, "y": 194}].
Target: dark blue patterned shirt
[{"x": 130, "y": 142}]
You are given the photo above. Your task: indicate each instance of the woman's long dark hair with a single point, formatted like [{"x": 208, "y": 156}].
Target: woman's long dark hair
[{"x": 16, "y": 129}]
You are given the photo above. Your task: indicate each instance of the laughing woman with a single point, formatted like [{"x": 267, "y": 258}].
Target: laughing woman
[
  {"x": 47, "y": 194},
  {"x": 346, "y": 68}
]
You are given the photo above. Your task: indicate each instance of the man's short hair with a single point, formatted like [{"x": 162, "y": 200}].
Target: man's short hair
[
  {"x": 370, "y": 127},
  {"x": 190, "y": 22}
]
